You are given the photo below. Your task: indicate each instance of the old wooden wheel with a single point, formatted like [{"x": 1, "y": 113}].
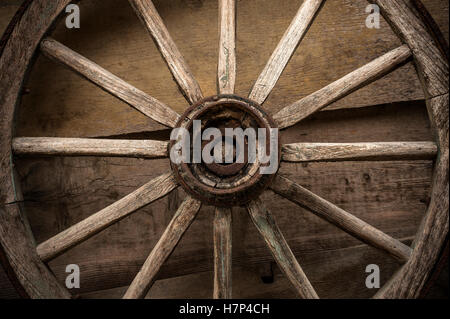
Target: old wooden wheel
[{"x": 26, "y": 262}]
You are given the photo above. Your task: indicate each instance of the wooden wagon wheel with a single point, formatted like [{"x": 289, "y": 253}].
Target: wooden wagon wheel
[{"x": 26, "y": 262}]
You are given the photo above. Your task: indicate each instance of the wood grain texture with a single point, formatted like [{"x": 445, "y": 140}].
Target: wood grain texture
[
  {"x": 226, "y": 68},
  {"x": 280, "y": 250},
  {"x": 410, "y": 279},
  {"x": 110, "y": 83},
  {"x": 16, "y": 240},
  {"x": 366, "y": 74},
  {"x": 149, "y": 16},
  {"x": 392, "y": 196},
  {"x": 166, "y": 244},
  {"x": 222, "y": 254},
  {"x": 59, "y": 103},
  {"x": 331, "y": 152},
  {"x": 33, "y": 279},
  {"x": 284, "y": 51},
  {"x": 89, "y": 147},
  {"x": 432, "y": 65},
  {"x": 342, "y": 219},
  {"x": 87, "y": 228}
]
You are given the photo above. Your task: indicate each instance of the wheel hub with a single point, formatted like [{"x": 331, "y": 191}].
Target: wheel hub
[{"x": 222, "y": 183}]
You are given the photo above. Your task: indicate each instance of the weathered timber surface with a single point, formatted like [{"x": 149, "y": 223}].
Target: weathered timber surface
[
  {"x": 93, "y": 147},
  {"x": 339, "y": 217},
  {"x": 284, "y": 50},
  {"x": 110, "y": 83},
  {"x": 433, "y": 231},
  {"x": 432, "y": 64},
  {"x": 96, "y": 271},
  {"x": 391, "y": 196},
  {"x": 17, "y": 246},
  {"x": 20, "y": 256},
  {"x": 360, "y": 77},
  {"x": 150, "y": 17},
  {"x": 248, "y": 283},
  {"x": 150, "y": 192},
  {"x": 226, "y": 67},
  {"x": 332, "y": 48},
  {"x": 323, "y": 152},
  {"x": 280, "y": 249},
  {"x": 222, "y": 253},
  {"x": 162, "y": 250}
]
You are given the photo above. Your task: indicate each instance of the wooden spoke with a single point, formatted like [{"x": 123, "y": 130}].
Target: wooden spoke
[
  {"x": 226, "y": 71},
  {"x": 155, "y": 189},
  {"x": 363, "y": 76},
  {"x": 89, "y": 147},
  {"x": 317, "y": 152},
  {"x": 149, "y": 16},
  {"x": 339, "y": 217},
  {"x": 166, "y": 244},
  {"x": 110, "y": 83},
  {"x": 222, "y": 253},
  {"x": 285, "y": 49},
  {"x": 280, "y": 250}
]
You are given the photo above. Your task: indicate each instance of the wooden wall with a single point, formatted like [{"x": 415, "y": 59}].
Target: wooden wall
[{"x": 59, "y": 192}]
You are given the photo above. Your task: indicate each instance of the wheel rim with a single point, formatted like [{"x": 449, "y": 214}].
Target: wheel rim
[{"x": 433, "y": 70}]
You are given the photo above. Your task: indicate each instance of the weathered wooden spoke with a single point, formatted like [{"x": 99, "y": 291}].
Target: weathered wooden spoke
[
  {"x": 279, "y": 248},
  {"x": 89, "y": 147},
  {"x": 141, "y": 101},
  {"x": 149, "y": 16},
  {"x": 339, "y": 217},
  {"x": 218, "y": 185},
  {"x": 222, "y": 254},
  {"x": 166, "y": 244},
  {"x": 226, "y": 69},
  {"x": 153, "y": 190},
  {"x": 361, "y": 77},
  {"x": 323, "y": 152},
  {"x": 284, "y": 51}
]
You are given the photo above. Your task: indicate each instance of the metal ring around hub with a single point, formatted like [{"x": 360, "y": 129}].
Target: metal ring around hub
[{"x": 225, "y": 185}]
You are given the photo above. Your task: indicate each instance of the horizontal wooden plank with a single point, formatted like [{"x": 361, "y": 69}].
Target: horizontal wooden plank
[
  {"x": 391, "y": 196},
  {"x": 342, "y": 87},
  {"x": 74, "y": 235},
  {"x": 332, "y": 48},
  {"x": 114, "y": 85},
  {"x": 340, "y": 218}
]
